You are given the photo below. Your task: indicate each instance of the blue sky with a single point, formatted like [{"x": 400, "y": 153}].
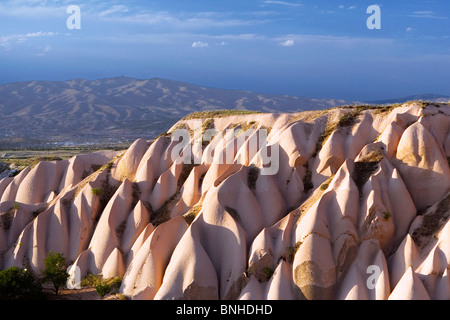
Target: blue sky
[{"x": 318, "y": 49}]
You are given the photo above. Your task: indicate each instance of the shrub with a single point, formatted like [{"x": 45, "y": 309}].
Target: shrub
[
  {"x": 55, "y": 270},
  {"x": 102, "y": 290},
  {"x": 19, "y": 284},
  {"x": 107, "y": 286},
  {"x": 97, "y": 192},
  {"x": 268, "y": 272},
  {"x": 324, "y": 186}
]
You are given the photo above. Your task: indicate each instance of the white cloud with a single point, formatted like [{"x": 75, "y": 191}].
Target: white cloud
[
  {"x": 114, "y": 9},
  {"x": 199, "y": 44},
  {"x": 287, "y": 43},
  {"x": 7, "y": 41},
  {"x": 351, "y": 7},
  {"x": 283, "y": 3},
  {"x": 409, "y": 29},
  {"x": 427, "y": 14}
]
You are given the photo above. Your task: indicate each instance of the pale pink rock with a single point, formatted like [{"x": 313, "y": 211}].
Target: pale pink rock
[
  {"x": 110, "y": 227},
  {"x": 280, "y": 285},
  {"x": 10, "y": 192},
  {"x": 190, "y": 273},
  {"x": 409, "y": 288},
  {"x": 422, "y": 165},
  {"x": 254, "y": 290},
  {"x": 146, "y": 269},
  {"x": 129, "y": 162},
  {"x": 313, "y": 269},
  {"x": 368, "y": 277},
  {"x": 406, "y": 256},
  {"x": 149, "y": 167},
  {"x": 143, "y": 236},
  {"x": 327, "y": 243},
  {"x": 80, "y": 166},
  {"x": 114, "y": 265}
]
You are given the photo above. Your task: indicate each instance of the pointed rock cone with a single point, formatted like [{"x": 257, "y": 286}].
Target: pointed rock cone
[
  {"x": 368, "y": 277},
  {"x": 129, "y": 163},
  {"x": 114, "y": 265},
  {"x": 254, "y": 290},
  {"x": 314, "y": 269},
  {"x": 405, "y": 256},
  {"x": 409, "y": 288},
  {"x": 148, "y": 170},
  {"x": 190, "y": 274},
  {"x": 146, "y": 270},
  {"x": 280, "y": 285},
  {"x": 422, "y": 165}
]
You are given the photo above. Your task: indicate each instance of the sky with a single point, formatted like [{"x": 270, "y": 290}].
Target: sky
[{"x": 315, "y": 49}]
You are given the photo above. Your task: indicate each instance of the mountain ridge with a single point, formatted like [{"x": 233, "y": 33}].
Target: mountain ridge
[{"x": 122, "y": 107}]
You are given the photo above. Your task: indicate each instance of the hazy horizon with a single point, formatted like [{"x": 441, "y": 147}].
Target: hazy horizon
[{"x": 316, "y": 49}]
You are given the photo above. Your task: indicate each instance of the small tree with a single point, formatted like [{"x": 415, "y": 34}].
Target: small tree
[
  {"x": 19, "y": 284},
  {"x": 55, "y": 270}
]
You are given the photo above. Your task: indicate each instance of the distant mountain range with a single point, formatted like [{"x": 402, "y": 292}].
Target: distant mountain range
[
  {"x": 423, "y": 97},
  {"x": 119, "y": 109},
  {"x": 122, "y": 109}
]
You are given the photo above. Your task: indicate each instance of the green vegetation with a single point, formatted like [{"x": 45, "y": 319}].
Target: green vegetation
[
  {"x": 190, "y": 216},
  {"x": 218, "y": 114},
  {"x": 102, "y": 286},
  {"x": 324, "y": 186},
  {"x": 268, "y": 272},
  {"x": 97, "y": 191},
  {"x": 387, "y": 215},
  {"x": 364, "y": 168},
  {"x": 290, "y": 252},
  {"x": 6, "y": 218},
  {"x": 55, "y": 270},
  {"x": 19, "y": 284},
  {"x": 162, "y": 214},
  {"x": 207, "y": 125}
]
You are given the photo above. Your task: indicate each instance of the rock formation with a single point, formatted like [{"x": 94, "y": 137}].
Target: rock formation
[{"x": 358, "y": 208}]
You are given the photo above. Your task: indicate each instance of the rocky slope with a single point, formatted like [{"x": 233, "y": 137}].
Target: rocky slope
[{"x": 358, "y": 209}]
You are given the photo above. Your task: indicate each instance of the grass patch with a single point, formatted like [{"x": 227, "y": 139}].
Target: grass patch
[
  {"x": 190, "y": 216},
  {"x": 290, "y": 252},
  {"x": 97, "y": 191},
  {"x": 102, "y": 286},
  {"x": 218, "y": 114},
  {"x": 268, "y": 273},
  {"x": 324, "y": 186}
]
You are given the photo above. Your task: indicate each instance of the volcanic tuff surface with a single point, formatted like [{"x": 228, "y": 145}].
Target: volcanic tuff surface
[{"x": 358, "y": 190}]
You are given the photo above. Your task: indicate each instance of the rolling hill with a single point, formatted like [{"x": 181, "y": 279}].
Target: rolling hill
[{"x": 119, "y": 109}]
